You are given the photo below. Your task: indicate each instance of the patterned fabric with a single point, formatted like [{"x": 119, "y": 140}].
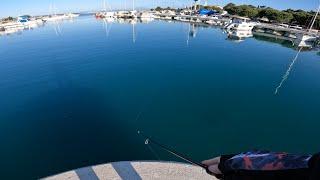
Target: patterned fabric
[{"x": 266, "y": 161}]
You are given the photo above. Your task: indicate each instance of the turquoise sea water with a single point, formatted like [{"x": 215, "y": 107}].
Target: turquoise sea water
[{"x": 76, "y": 96}]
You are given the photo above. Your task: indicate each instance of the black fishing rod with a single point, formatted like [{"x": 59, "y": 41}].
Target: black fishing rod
[{"x": 179, "y": 155}]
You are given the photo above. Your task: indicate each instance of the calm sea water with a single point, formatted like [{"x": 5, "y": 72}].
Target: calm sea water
[{"x": 74, "y": 95}]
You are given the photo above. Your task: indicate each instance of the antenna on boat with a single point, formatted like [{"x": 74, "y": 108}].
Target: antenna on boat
[{"x": 149, "y": 140}]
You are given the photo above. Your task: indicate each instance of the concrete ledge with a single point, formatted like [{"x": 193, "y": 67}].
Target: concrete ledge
[{"x": 136, "y": 171}]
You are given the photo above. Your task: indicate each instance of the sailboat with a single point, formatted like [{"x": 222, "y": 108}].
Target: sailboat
[
  {"x": 105, "y": 13},
  {"x": 72, "y": 15},
  {"x": 306, "y": 40},
  {"x": 53, "y": 16}
]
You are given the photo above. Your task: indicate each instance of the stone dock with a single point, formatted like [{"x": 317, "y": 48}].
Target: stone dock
[{"x": 136, "y": 171}]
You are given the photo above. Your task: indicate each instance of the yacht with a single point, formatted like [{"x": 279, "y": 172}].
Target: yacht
[
  {"x": 11, "y": 27},
  {"x": 168, "y": 14},
  {"x": 99, "y": 15},
  {"x": 126, "y": 14},
  {"x": 240, "y": 24},
  {"x": 178, "y": 18},
  {"x": 54, "y": 17},
  {"x": 72, "y": 15},
  {"x": 109, "y": 14},
  {"x": 211, "y": 22},
  {"x": 146, "y": 15},
  {"x": 168, "y": 17},
  {"x": 29, "y": 22}
]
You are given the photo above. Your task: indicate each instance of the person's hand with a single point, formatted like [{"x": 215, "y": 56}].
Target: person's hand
[{"x": 213, "y": 165}]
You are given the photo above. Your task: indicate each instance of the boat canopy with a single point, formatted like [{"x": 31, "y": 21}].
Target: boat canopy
[
  {"x": 24, "y": 17},
  {"x": 207, "y": 12}
]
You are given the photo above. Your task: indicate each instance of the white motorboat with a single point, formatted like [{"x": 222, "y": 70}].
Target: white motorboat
[
  {"x": 146, "y": 15},
  {"x": 72, "y": 15},
  {"x": 11, "y": 27},
  {"x": 54, "y": 17},
  {"x": 29, "y": 22},
  {"x": 241, "y": 24},
  {"x": 211, "y": 22}
]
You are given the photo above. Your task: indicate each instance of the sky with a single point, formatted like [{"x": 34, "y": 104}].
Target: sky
[{"x": 39, "y": 7}]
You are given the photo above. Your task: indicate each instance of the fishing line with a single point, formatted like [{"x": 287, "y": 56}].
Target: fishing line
[
  {"x": 148, "y": 140},
  {"x": 151, "y": 149},
  {"x": 153, "y": 152},
  {"x": 147, "y": 102}
]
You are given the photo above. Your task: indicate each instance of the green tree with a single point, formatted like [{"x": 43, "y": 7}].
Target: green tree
[
  {"x": 290, "y": 16},
  {"x": 247, "y": 11},
  {"x": 158, "y": 8},
  {"x": 231, "y": 8},
  {"x": 214, "y": 8},
  {"x": 302, "y": 18},
  {"x": 8, "y": 19},
  {"x": 228, "y": 6},
  {"x": 285, "y": 17}
]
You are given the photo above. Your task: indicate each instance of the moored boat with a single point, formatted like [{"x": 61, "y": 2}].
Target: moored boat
[
  {"x": 73, "y": 15},
  {"x": 241, "y": 24}
]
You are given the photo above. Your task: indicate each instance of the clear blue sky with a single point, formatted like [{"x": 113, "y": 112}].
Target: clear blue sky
[{"x": 35, "y": 7}]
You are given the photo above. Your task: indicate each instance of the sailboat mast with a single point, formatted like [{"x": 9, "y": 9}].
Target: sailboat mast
[
  {"x": 54, "y": 10},
  {"x": 314, "y": 19},
  {"x": 50, "y": 9},
  {"x": 104, "y": 6}
]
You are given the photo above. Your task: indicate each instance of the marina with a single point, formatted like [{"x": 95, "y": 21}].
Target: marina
[
  {"x": 237, "y": 27},
  {"x": 28, "y": 22},
  {"x": 101, "y": 79}
]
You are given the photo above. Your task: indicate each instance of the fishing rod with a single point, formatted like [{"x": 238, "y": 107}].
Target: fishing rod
[{"x": 176, "y": 154}]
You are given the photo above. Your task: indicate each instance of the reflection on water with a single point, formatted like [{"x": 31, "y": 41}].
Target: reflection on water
[
  {"x": 286, "y": 75},
  {"x": 57, "y": 29},
  {"x": 231, "y": 34},
  {"x": 107, "y": 27},
  {"x": 193, "y": 28}
]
